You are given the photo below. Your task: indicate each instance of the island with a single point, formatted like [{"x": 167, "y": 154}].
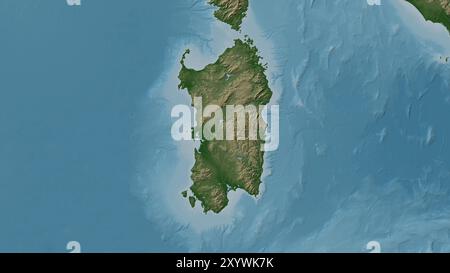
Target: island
[
  {"x": 236, "y": 78},
  {"x": 437, "y": 11},
  {"x": 231, "y": 12}
]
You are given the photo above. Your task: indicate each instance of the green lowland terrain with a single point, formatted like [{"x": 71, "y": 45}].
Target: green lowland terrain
[
  {"x": 437, "y": 11},
  {"x": 236, "y": 78},
  {"x": 231, "y": 12}
]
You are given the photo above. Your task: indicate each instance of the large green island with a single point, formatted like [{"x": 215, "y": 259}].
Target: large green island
[
  {"x": 237, "y": 77},
  {"x": 437, "y": 11}
]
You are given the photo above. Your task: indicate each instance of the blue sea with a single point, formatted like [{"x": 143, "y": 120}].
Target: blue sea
[
  {"x": 86, "y": 153},
  {"x": 72, "y": 79}
]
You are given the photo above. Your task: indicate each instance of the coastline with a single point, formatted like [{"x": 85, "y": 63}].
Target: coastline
[{"x": 436, "y": 35}]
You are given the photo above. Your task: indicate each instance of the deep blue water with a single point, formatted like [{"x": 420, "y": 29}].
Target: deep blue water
[
  {"x": 356, "y": 70},
  {"x": 71, "y": 80}
]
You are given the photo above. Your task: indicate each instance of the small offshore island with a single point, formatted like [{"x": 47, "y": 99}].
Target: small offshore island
[
  {"x": 437, "y": 11},
  {"x": 236, "y": 78}
]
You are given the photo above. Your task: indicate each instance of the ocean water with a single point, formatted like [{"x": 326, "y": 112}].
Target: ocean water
[
  {"x": 366, "y": 106},
  {"x": 71, "y": 81}
]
